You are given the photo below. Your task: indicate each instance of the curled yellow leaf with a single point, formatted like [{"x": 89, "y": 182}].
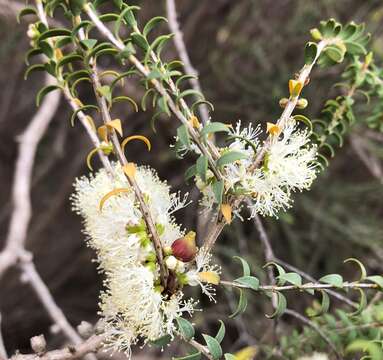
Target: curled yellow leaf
[
  {"x": 89, "y": 158},
  {"x": 226, "y": 211},
  {"x": 295, "y": 87},
  {"x": 110, "y": 194},
  {"x": 136, "y": 137},
  {"x": 273, "y": 129},
  {"x": 210, "y": 277},
  {"x": 247, "y": 353},
  {"x": 130, "y": 170},
  {"x": 116, "y": 125}
]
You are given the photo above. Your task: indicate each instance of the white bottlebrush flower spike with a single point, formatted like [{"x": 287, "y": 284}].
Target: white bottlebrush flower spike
[
  {"x": 315, "y": 356},
  {"x": 133, "y": 305},
  {"x": 287, "y": 167}
]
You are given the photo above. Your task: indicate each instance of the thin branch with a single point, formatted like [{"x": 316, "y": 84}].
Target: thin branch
[
  {"x": 91, "y": 345},
  {"x": 30, "y": 275},
  {"x": 270, "y": 256},
  {"x": 184, "y": 56},
  {"x": 3, "y": 352},
  {"x": 303, "y": 77},
  {"x": 308, "y": 286},
  {"x": 21, "y": 214}
]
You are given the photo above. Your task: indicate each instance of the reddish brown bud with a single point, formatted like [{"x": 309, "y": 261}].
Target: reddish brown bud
[{"x": 184, "y": 249}]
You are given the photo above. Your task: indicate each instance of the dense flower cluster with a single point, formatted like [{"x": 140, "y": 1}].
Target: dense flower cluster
[
  {"x": 134, "y": 305},
  {"x": 288, "y": 166}
]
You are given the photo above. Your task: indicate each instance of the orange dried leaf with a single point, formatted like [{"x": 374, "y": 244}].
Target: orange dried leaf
[
  {"x": 103, "y": 133},
  {"x": 110, "y": 194},
  {"x": 194, "y": 122},
  {"x": 130, "y": 170},
  {"x": 116, "y": 125},
  {"x": 295, "y": 87},
  {"x": 210, "y": 277},
  {"x": 136, "y": 137},
  {"x": 226, "y": 211},
  {"x": 273, "y": 129}
]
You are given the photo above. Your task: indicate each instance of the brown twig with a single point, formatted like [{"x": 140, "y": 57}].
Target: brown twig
[
  {"x": 3, "y": 352},
  {"x": 91, "y": 345},
  {"x": 21, "y": 214},
  {"x": 184, "y": 56}
]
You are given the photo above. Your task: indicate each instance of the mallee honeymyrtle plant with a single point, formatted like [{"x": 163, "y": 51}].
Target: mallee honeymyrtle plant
[{"x": 148, "y": 260}]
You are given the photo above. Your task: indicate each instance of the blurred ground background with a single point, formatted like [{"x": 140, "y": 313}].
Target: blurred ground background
[{"x": 245, "y": 52}]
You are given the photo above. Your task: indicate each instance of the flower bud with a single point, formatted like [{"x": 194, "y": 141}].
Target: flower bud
[
  {"x": 316, "y": 34},
  {"x": 283, "y": 102},
  {"x": 171, "y": 262},
  {"x": 302, "y": 103},
  {"x": 85, "y": 329},
  {"x": 38, "y": 344},
  {"x": 185, "y": 249}
]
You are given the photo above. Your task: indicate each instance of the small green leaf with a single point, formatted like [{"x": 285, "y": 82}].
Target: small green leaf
[
  {"x": 221, "y": 332},
  {"x": 29, "y": 10},
  {"x": 362, "y": 303},
  {"x": 217, "y": 188},
  {"x": 325, "y": 304},
  {"x": 189, "y": 92},
  {"x": 292, "y": 278},
  {"x": 32, "y": 68},
  {"x": 214, "y": 127},
  {"x": 213, "y": 346},
  {"x": 186, "y": 328},
  {"x": 242, "y": 304},
  {"x": 333, "y": 279},
  {"x": 229, "y": 356},
  {"x": 354, "y": 48},
  {"x": 202, "y": 166},
  {"x": 304, "y": 120},
  {"x": 281, "y": 306},
  {"x": 311, "y": 50},
  {"x": 363, "y": 272},
  {"x": 53, "y": 33},
  {"x": 162, "y": 341},
  {"x": 183, "y": 136},
  {"x": 373, "y": 349},
  {"x": 44, "y": 91},
  {"x": 334, "y": 53},
  {"x": 106, "y": 92},
  {"x": 250, "y": 281},
  {"x": 89, "y": 43},
  {"x": 378, "y": 280},
  {"x": 230, "y": 157},
  {"x": 190, "y": 172},
  {"x": 245, "y": 265},
  {"x": 140, "y": 41},
  {"x": 280, "y": 270},
  {"x": 152, "y": 23}
]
